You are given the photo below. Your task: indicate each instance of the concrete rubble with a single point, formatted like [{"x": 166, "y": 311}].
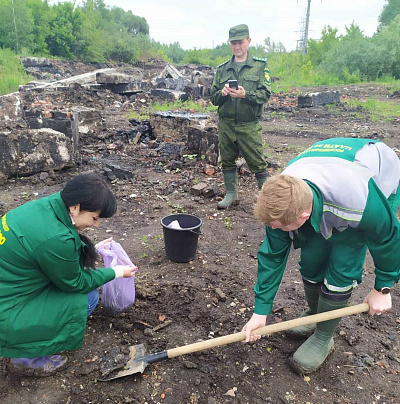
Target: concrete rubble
[
  {"x": 48, "y": 124},
  {"x": 318, "y": 99}
]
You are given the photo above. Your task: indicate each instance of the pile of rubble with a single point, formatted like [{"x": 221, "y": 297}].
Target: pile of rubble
[{"x": 50, "y": 123}]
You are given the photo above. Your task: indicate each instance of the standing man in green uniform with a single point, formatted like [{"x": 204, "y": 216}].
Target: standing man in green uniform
[
  {"x": 240, "y": 105},
  {"x": 335, "y": 200}
]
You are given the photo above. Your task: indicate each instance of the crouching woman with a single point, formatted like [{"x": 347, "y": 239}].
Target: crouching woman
[{"x": 48, "y": 283}]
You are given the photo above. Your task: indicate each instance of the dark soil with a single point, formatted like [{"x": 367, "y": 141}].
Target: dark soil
[{"x": 365, "y": 365}]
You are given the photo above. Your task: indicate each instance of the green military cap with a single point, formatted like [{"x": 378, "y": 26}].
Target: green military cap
[{"x": 238, "y": 32}]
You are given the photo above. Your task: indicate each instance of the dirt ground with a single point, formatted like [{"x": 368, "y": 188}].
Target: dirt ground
[{"x": 365, "y": 366}]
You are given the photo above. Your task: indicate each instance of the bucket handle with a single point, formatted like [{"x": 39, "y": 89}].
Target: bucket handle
[{"x": 196, "y": 232}]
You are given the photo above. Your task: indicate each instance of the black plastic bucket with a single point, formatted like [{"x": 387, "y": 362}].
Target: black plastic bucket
[{"x": 181, "y": 244}]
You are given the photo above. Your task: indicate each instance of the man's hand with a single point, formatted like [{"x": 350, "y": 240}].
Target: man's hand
[
  {"x": 239, "y": 93},
  {"x": 256, "y": 321},
  {"x": 378, "y": 303},
  {"x": 225, "y": 90}
]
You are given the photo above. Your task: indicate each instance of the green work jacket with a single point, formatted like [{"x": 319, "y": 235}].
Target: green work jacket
[
  {"x": 254, "y": 77},
  {"x": 43, "y": 285},
  {"x": 374, "y": 223}
]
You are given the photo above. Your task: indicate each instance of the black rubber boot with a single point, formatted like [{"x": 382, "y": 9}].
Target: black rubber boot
[
  {"x": 311, "y": 292},
  {"x": 312, "y": 354}
]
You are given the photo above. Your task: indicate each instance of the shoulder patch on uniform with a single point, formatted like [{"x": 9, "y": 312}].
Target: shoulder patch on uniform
[
  {"x": 259, "y": 59},
  {"x": 267, "y": 76},
  {"x": 224, "y": 63}
]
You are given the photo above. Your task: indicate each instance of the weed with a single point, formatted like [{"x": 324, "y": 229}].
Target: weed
[{"x": 227, "y": 223}]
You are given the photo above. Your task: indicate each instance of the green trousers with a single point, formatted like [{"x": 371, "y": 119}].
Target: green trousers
[
  {"x": 245, "y": 138},
  {"x": 337, "y": 262}
]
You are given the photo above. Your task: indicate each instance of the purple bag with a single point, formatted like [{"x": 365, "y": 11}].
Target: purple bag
[{"x": 119, "y": 294}]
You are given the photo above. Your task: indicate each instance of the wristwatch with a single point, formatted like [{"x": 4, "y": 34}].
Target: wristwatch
[{"x": 385, "y": 290}]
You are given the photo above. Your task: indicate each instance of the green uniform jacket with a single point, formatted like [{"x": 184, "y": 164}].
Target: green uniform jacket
[
  {"x": 376, "y": 227},
  {"x": 43, "y": 286},
  {"x": 255, "y": 78}
]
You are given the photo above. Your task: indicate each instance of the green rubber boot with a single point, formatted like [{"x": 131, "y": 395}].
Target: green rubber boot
[
  {"x": 261, "y": 178},
  {"x": 231, "y": 199},
  {"x": 312, "y": 354},
  {"x": 311, "y": 292}
]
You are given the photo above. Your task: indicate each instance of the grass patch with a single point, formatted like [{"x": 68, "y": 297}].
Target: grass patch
[
  {"x": 12, "y": 73},
  {"x": 379, "y": 110}
]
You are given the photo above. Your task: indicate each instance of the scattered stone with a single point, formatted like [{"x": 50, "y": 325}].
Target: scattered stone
[
  {"x": 190, "y": 365},
  {"x": 221, "y": 294},
  {"x": 198, "y": 188},
  {"x": 210, "y": 191}
]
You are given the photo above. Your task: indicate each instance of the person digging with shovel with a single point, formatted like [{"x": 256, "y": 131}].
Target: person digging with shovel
[
  {"x": 48, "y": 284},
  {"x": 335, "y": 200}
]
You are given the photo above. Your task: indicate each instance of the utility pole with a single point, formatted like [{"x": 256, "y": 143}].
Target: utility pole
[{"x": 305, "y": 38}]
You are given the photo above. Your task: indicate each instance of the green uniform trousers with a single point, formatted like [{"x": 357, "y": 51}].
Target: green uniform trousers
[
  {"x": 244, "y": 137},
  {"x": 337, "y": 261}
]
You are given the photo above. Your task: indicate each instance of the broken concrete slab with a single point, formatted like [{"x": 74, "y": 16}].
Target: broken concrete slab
[
  {"x": 175, "y": 124},
  {"x": 120, "y": 82},
  {"x": 116, "y": 77},
  {"x": 60, "y": 121},
  {"x": 10, "y": 108},
  {"x": 168, "y": 95},
  {"x": 82, "y": 79},
  {"x": 173, "y": 84},
  {"x": 88, "y": 119},
  {"x": 170, "y": 71},
  {"x": 31, "y": 151},
  {"x": 203, "y": 140},
  {"x": 318, "y": 99}
]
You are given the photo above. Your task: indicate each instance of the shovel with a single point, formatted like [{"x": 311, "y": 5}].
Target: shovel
[{"x": 139, "y": 359}]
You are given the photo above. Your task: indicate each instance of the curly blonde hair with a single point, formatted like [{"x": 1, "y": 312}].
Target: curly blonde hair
[{"x": 283, "y": 198}]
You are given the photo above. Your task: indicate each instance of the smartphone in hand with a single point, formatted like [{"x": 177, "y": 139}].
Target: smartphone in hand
[{"x": 233, "y": 84}]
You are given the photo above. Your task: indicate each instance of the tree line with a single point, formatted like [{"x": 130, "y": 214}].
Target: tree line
[{"x": 95, "y": 32}]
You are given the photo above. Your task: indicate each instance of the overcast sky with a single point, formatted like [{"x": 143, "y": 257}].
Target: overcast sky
[{"x": 205, "y": 23}]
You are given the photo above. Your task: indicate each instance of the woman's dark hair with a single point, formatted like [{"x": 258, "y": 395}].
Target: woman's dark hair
[
  {"x": 93, "y": 195},
  {"x": 91, "y": 192}
]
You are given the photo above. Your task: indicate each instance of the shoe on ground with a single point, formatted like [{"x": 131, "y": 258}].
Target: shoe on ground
[{"x": 42, "y": 366}]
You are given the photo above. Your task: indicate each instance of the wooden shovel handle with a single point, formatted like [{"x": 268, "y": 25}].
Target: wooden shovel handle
[{"x": 268, "y": 329}]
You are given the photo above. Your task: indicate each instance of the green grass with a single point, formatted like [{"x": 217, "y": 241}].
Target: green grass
[
  {"x": 12, "y": 73},
  {"x": 387, "y": 110}
]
